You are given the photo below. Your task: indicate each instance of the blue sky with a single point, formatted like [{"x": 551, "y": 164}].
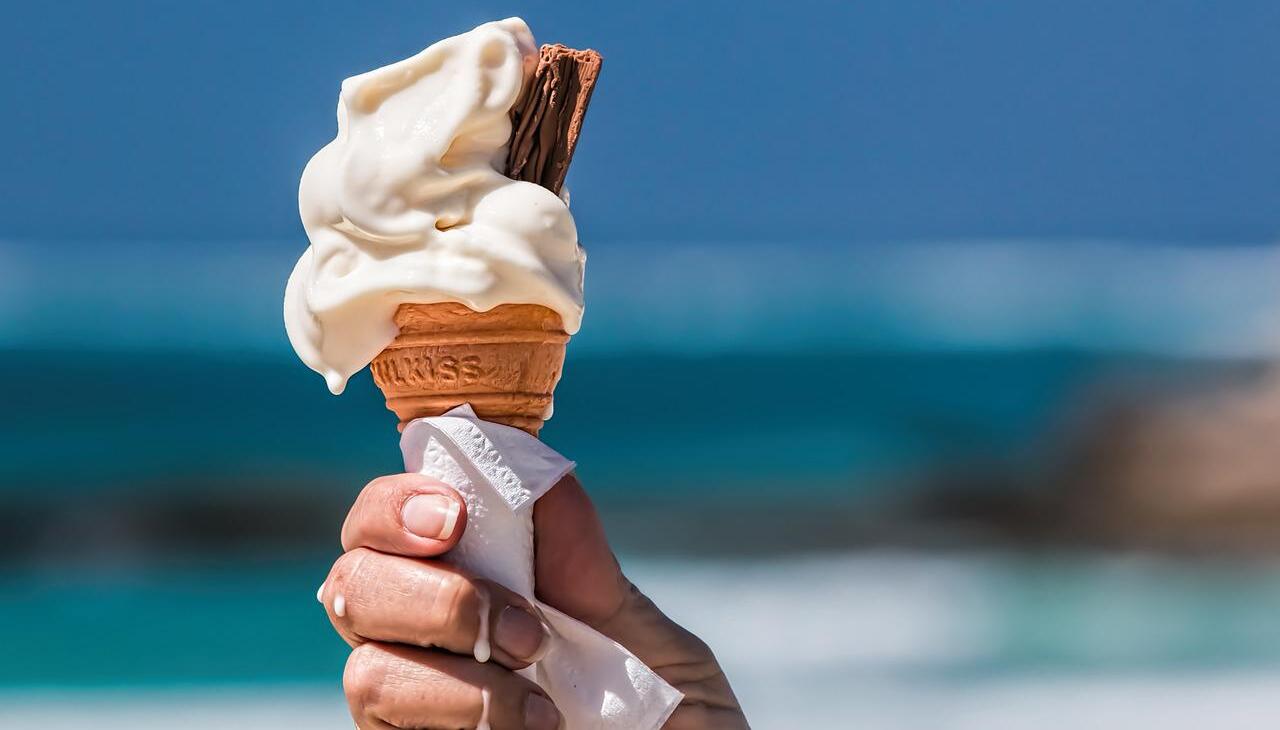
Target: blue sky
[{"x": 714, "y": 120}]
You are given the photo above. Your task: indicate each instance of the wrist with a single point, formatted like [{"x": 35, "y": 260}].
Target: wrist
[{"x": 676, "y": 655}]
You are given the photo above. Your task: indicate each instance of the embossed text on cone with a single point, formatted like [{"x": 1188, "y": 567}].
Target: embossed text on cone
[{"x": 505, "y": 362}]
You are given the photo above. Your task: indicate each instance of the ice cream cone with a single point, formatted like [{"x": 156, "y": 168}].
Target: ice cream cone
[{"x": 504, "y": 362}]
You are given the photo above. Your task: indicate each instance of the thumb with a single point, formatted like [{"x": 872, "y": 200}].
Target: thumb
[{"x": 574, "y": 567}]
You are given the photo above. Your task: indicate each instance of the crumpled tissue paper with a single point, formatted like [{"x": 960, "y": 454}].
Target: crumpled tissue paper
[{"x": 500, "y": 472}]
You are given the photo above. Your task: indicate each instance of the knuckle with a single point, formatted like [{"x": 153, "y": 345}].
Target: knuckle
[
  {"x": 389, "y": 489},
  {"x": 369, "y": 506},
  {"x": 350, "y": 570},
  {"x": 453, "y": 598},
  {"x": 382, "y": 482},
  {"x": 364, "y": 675},
  {"x": 348, "y": 565}
]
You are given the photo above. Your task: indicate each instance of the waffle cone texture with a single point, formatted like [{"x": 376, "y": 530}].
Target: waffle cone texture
[{"x": 504, "y": 362}]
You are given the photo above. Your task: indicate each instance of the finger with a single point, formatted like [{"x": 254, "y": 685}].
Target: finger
[
  {"x": 405, "y": 514},
  {"x": 373, "y": 596},
  {"x": 575, "y": 569},
  {"x": 407, "y": 687}
]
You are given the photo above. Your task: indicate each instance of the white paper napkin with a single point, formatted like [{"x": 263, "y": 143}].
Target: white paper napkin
[{"x": 500, "y": 472}]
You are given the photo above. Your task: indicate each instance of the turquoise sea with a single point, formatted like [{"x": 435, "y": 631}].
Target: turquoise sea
[{"x": 171, "y": 481}]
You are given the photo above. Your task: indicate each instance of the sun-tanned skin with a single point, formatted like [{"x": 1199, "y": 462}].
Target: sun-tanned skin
[{"x": 412, "y": 620}]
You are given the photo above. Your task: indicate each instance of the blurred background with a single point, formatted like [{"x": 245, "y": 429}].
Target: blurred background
[{"x": 927, "y": 372}]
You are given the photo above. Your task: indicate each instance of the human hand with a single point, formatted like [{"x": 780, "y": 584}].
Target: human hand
[{"x": 414, "y": 621}]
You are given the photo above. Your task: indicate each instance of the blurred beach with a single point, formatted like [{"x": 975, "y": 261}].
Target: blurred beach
[
  {"x": 879, "y": 639},
  {"x": 876, "y": 472},
  {"x": 930, "y": 367}
]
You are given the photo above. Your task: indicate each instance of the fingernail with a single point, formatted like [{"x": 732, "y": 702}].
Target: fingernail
[
  {"x": 540, "y": 714},
  {"x": 521, "y": 634},
  {"x": 430, "y": 515}
]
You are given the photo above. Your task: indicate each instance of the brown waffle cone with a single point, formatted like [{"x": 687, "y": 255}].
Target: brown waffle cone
[{"x": 504, "y": 362}]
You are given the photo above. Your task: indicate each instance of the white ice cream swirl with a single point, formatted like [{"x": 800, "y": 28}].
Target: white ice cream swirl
[{"x": 408, "y": 204}]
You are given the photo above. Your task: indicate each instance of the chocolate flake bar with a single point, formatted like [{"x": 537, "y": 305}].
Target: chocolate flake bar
[{"x": 547, "y": 120}]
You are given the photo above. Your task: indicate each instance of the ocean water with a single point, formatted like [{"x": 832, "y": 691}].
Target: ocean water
[
  {"x": 113, "y": 419},
  {"x": 171, "y": 479},
  {"x": 841, "y": 366},
  {"x": 871, "y": 640}
]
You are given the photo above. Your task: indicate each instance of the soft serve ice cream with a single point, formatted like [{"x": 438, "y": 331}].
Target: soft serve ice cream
[{"x": 408, "y": 204}]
